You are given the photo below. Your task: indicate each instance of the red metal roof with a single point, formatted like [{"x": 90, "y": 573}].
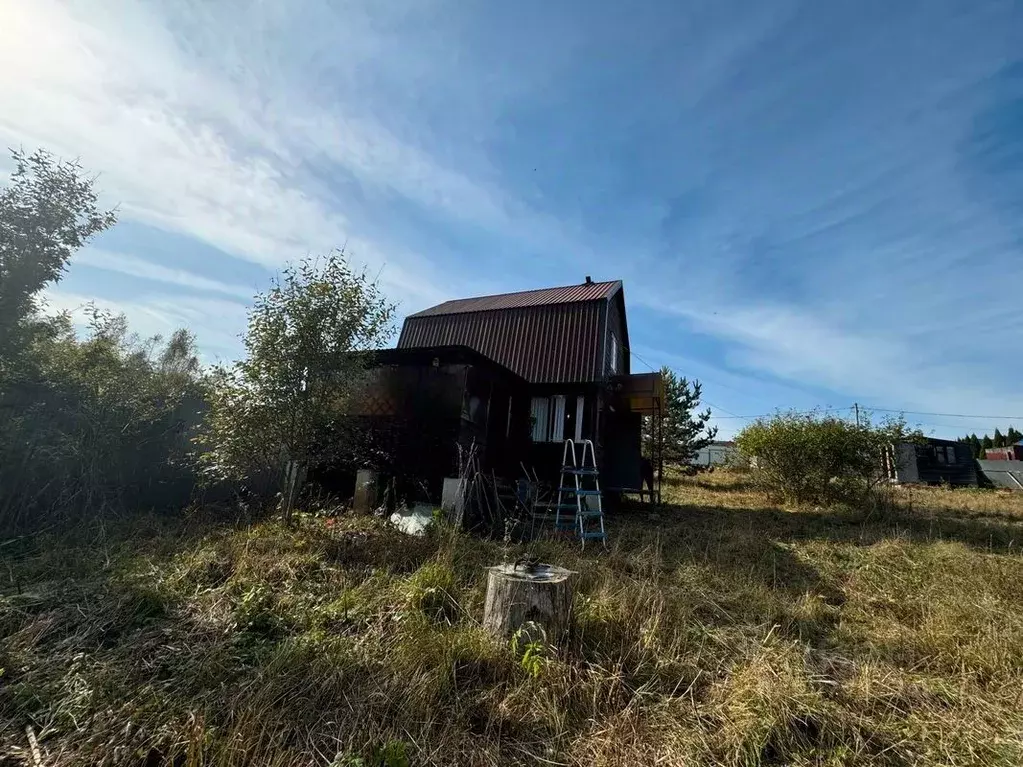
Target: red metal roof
[
  {"x": 569, "y": 294},
  {"x": 543, "y": 344}
]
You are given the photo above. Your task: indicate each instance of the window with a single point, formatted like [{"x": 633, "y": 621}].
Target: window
[
  {"x": 474, "y": 410},
  {"x": 558, "y": 420},
  {"x": 614, "y": 354},
  {"x": 580, "y": 403},
  {"x": 538, "y": 412},
  {"x": 555, "y": 420}
]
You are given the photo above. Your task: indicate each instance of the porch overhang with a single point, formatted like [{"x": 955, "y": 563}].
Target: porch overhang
[{"x": 641, "y": 392}]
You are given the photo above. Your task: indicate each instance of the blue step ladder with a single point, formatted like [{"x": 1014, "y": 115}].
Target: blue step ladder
[{"x": 579, "y": 508}]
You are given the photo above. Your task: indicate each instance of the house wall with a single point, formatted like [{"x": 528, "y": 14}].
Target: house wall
[
  {"x": 423, "y": 421},
  {"x": 616, "y": 356},
  {"x": 904, "y": 463},
  {"x": 494, "y": 421},
  {"x": 622, "y": 451}
]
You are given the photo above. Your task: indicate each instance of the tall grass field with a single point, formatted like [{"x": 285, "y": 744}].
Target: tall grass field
[{"x": 721, "y": 630}]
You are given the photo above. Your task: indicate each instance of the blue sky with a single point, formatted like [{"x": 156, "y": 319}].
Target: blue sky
[{"x": 810, "y": 203}]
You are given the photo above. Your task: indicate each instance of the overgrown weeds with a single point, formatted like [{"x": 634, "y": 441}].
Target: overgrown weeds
[{"x": 727, "y": 631}]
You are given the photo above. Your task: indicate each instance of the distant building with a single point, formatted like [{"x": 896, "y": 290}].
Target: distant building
[
  {"x": 1010, "y": 453},
  {"x": 715, "y": 454},
  {"x": 932, "y": 462}
]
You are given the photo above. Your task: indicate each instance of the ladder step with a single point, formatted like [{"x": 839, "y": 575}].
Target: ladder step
[
  {"x": 597, "y": 535},
  {"x": 566, "y": 521},
  {"x": 578, "y": 491},
  {"x": 582, "y": 471}
]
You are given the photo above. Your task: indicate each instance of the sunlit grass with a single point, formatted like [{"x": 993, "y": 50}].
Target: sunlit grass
[{"x": 725, "y": 630}]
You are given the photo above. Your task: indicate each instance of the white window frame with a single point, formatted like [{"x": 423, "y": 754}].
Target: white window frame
[
  {"x": 614, "y": 353},
  {"x": 548, "y": 414}
]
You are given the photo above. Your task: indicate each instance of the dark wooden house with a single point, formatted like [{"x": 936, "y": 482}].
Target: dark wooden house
[
  {"x": 570, "y": 347},
  {"x": 933, "y": 462}
]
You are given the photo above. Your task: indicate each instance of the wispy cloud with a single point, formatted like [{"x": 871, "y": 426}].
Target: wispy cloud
[
  {"x": 782, "y": 206},
  {"x": 146, "y": 270},
  {"x": 185, "y": 149}
]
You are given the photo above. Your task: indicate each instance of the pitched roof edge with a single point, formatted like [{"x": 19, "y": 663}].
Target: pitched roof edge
[{"x": 614, "y": 287}]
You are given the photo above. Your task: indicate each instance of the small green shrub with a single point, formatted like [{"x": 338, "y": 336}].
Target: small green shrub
[
  {"x": 529, "y": 645},
  {"x": 255, "y": 613},
  {"x": 817, "y": 459},
  {"x": 393, "y": 753}
]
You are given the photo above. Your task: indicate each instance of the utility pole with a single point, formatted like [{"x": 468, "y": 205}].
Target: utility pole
[{"x": 856, "y": 406}]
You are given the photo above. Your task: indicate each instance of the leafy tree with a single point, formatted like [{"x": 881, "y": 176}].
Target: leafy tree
[
  {"x": 816, "y": 458},
  {"x": 48, "y": 211},
  {"x": 1012, "y": 437},
  {"x": 101, "y": 423},
  {"x": 89, "y": 421},
  {"x": 987, "y": 442},
  {"x": 999, "y": 439},
  {"x": 272, "y": 410},
  {"x": 975, "y": 446},
  {"x": 684, "y": 431}
]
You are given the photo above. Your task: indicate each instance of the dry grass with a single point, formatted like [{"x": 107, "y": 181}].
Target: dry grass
[{"x": 725, "y": 631}]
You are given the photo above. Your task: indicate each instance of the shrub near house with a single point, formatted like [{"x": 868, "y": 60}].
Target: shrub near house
[{"x": 815, "y": 458}]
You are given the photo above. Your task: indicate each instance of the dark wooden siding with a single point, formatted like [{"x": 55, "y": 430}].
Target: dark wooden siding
[
  {"x": 543, "y": 344},
  {"x": 615, "y": 325},
  {"x": 930, "y": 462},
  {"x": 961, "y": 471}
]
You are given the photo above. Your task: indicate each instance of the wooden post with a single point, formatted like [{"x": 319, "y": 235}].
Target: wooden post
[
  {"x": 518, "y": 595},
  {"x": 365, "y": 499}
]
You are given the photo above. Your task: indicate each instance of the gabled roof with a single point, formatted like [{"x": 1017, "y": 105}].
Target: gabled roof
[{"x": 568, "y": 294}]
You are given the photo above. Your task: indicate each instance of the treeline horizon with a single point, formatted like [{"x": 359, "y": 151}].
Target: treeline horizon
[{"x": 979, "y": 445}]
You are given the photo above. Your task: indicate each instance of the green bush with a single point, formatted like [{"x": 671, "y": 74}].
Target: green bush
[
  {"x": 97, "y": 422},
  {"x": 86, "y": 423},
  {"x": 815, "y": 458}
]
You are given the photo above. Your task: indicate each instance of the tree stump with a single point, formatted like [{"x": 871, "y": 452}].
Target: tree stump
[{"x": 540, "y": 594}]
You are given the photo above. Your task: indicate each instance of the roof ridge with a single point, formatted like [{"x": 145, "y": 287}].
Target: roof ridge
[
  {"x": 560, "y": 294},
  {"x": 531, "y": 290}
]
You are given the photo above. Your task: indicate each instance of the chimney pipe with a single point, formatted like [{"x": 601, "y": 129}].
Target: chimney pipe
[{"x": 589, "y": 280}]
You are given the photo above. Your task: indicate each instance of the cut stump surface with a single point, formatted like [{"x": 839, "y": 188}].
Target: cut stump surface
[{"x": 541, "y": 595}]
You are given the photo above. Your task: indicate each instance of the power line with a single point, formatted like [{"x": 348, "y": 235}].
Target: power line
[
  {"x": 790, "y": 412},
  {"x": 865, "y": 408},
  {"x": 945, "y": 415}
]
